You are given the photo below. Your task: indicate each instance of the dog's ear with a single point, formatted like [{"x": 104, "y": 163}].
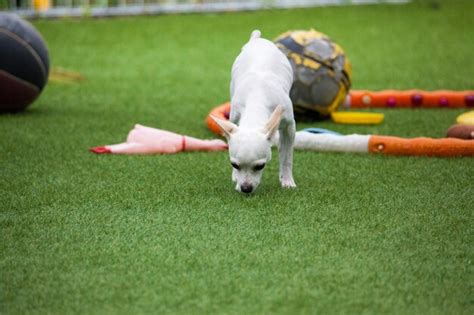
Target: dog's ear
[
  {"x": 226, "y": 126},
  {"x": 274, "y": 122}
]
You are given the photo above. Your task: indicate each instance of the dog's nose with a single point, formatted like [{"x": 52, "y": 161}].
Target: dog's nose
[{"x": 246, "y": 188}]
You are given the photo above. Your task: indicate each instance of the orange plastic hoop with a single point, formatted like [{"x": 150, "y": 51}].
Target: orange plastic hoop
[
  {"x": 221, "y": 111},
  {"x": 444, "y": 147},
  {"x": 382, "y": 99}
]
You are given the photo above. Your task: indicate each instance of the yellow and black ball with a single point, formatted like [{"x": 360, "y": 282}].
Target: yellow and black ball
[
  {"x": 24, "y": 63},
  {"x": 322, "y": 72}
]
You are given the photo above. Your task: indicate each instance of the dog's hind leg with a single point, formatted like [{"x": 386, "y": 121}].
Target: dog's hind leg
[{"x": 285, "y": 150}]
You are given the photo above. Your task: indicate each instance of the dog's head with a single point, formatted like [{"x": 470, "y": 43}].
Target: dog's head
[{"x": 249, "y": 150}]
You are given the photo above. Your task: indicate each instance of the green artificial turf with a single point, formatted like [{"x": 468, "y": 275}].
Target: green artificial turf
[{"x": 98, "y": 234}]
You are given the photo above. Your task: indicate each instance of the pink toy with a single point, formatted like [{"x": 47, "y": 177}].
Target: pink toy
[{"x": 146, "y": 140}]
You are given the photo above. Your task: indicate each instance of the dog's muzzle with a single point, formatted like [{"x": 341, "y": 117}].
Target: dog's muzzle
[{"x": 246, "y": 188}]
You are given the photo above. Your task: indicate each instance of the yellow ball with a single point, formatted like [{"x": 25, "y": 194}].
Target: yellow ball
[{"x": 322, "y": 72}]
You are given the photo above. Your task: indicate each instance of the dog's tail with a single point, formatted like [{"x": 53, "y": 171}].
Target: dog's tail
[{"x": 255, "y": 34}]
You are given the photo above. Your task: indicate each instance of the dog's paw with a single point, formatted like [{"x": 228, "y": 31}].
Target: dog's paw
[{"x": 287, "y": 182}]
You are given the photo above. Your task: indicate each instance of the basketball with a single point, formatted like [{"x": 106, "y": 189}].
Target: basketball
[{"x": 24, "y": 63}]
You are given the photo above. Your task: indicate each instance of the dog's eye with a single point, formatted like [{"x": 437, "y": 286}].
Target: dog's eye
[
  {"x": 236, "y": 166},
  {"x": 259, "y": 167}
]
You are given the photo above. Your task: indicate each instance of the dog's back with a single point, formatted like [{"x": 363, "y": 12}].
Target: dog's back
[{"x": 261, "y": 61}]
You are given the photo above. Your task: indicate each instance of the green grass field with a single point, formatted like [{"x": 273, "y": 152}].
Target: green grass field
[{"x": 361, "y": 234}]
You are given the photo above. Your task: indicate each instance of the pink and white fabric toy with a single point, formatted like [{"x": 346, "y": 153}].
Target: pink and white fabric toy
[{"x": 146, "y": 140}]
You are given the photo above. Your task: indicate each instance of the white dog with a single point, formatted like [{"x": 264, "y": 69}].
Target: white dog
[{"x": 260, "y": 106}]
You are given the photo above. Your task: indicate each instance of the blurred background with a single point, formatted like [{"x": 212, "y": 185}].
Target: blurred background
[{"x": 58, "y": 8}]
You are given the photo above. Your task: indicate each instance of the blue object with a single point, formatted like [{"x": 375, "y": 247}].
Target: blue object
[{"x": 322, "y": 131}]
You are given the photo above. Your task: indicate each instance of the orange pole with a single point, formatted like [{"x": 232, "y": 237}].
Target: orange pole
[
  {"x": 444, "y": 147},
  {"x": 411, "y": 98}
]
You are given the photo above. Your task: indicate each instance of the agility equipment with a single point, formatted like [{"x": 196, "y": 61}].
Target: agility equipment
[
  {"x": 383, "y": 99},
  {"x": 24, "y": 63},
  {"x": 444, "y": 147},
  {"x": 322, "y": 72},
  {"x": 222, "y": 111},
  {"x": 355, "y": 118},
  {"x": 409, "y": 99}
]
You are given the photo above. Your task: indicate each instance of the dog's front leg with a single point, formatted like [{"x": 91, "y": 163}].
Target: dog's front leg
[
  {"x": 285, "y": 150},
  {"x": 234, "y": 175}
]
